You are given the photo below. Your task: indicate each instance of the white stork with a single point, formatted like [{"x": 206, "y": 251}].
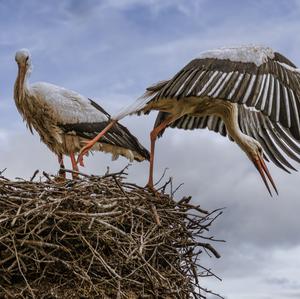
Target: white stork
[
  {"x": 66, "y": 120},
  {"x": 250, "y": 93}
]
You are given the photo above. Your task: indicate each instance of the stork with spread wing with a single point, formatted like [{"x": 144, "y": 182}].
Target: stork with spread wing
[{"x": 250, "y": 93}]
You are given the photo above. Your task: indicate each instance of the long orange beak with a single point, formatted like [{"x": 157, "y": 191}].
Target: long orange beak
[{"x": 264, "y": 172}]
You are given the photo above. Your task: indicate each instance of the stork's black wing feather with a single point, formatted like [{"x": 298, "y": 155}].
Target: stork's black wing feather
[
  {"x": 272, "y": 88},
  {"x": 118, "y": 135},
  {"x": 276, "y": 141},
  {"x": 98, "y": 107}
]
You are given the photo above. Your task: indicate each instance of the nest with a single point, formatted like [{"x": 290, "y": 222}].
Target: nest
[{"x": 100, "y": 237}]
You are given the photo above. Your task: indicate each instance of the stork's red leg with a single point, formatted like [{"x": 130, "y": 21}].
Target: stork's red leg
[
  {"x": 61, "y": 171},
  {"x": 91, "y": 143},
  {"x": 74, "y": 165},
  {"x": 153, "y": 136}
]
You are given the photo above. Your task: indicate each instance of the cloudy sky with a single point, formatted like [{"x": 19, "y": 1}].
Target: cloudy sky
[{"x": 111, "y": 50}]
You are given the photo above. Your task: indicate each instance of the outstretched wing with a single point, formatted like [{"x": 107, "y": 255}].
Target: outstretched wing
[
  {"x": 270, "y": 85},
  {"x": 276, "y": 140}
]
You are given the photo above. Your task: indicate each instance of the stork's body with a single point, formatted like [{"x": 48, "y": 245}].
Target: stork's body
[
  {"x": 66, "y": 120},
  {"x": 250, "y": 93}
]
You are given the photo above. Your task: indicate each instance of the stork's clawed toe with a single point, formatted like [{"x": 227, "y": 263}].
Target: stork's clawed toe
[
  {"x": 152, "y": 189},
  {"x": 61, "y": 176}
]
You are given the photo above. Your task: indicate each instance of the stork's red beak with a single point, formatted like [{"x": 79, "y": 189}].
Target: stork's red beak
[{"x": 264, "y": 172}]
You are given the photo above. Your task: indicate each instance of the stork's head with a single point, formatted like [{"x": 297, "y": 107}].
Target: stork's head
[
  {"x": 23, "y": 58},
  {"x": 256, "y": 154}
]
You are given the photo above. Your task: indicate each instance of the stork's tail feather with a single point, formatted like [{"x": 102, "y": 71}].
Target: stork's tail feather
[
  {"x": 138, "y": 106},
  {"x": 154, "y": 89},
  {"x": 131, "y": 142},
  {"x": 118, "y": 140}
]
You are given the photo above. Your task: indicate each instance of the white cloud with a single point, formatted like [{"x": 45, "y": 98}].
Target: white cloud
[
  {"x": 112, "y": 50},
  {"x": 274, "y": 275}
]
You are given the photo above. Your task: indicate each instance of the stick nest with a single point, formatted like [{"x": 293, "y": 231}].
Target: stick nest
[{"x": 100, "y": 237}]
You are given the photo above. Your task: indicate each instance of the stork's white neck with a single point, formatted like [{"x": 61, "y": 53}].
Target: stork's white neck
[
  {"x": 243, "y": 141},
  {"x": 21, "y": 84}
]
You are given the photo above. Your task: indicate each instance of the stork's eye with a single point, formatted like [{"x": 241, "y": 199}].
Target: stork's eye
[{"x": 27, "y": 58}]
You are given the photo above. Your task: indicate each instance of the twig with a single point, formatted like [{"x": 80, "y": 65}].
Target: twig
[
  {"x": 34, "y": 175},
  {"x": 2, "y": 171},
  {"x": 162, "y": 176},
  {"x": 45, "y": 174},
  {"x": 20, "y": 269},
  {"x": 76, "y": 172},
  {"x": 156, "y": 216}
]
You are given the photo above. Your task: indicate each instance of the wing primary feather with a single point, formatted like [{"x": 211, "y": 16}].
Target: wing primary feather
[
  {"x": 165, "y": 90},
  {"x": 272, "y": 147},
  {"x": 180, "y": 122},
  {"x": 190, "y": 124},
  {"x": 203, "y": 122},
  {"x": 222, "y": 85},
  {"x": 243, "y": 121},
  {"x": 203, "y": 89},
  {"x": 268, "y": 107},
  {"x": 268, "y": 152},
  {"x": 242, "y": 88},
  {"x": 185, "y": 123},
  {"x": 282, "y": 111},
  {"x": 263, "y": 99},
  {"x": 260, "y": 90},
  {"x": 295, "y": 125},
  {"x": 191, "y": 81},
  {"x": 212, "y": 84},
  {"x": 285, "y": 74},
  {"x": 215, "y": 123},
  {"x": 181, "y": 88},
  {"x": 277, "y": 106},
  {"x": 254, "y": 92},
  {"x": 256, "y": 133},
  {"x": 235, "y": 87},
  {"x": 210, "y": 122},
  {"x": 227, "y": 89},
  {"x": 287, "y": 106},
  {"x": 249, "y": 89},
  {"x": 216, "y": 86},
  {"x": 283, "y": 146},
  {"x": 178, "y": 83},
  {"x": 282, "y": 132},
  {"x": 200, "y": 76},
  {"x": 222, "y": 129}
]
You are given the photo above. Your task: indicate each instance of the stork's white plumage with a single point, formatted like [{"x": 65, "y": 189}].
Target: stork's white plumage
[
  {"x": 66, "y": 120},
  {"x": 250, "y": 93}
]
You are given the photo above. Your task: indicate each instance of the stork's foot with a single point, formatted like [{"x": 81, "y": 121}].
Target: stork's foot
[
  {"x": 84, "y": 151},
  {"x": 62, "y": 173},
  {"x": 61, "y": 176},
  {"x": 152, "y": 189},
  {"x": 81, "y": 163},
  {"x": 74, "y": 176}
]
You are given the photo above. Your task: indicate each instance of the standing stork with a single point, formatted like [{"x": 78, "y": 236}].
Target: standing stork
[
  {"x": 250, "y": 93},
  {"x": 66, "y": 120}
]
